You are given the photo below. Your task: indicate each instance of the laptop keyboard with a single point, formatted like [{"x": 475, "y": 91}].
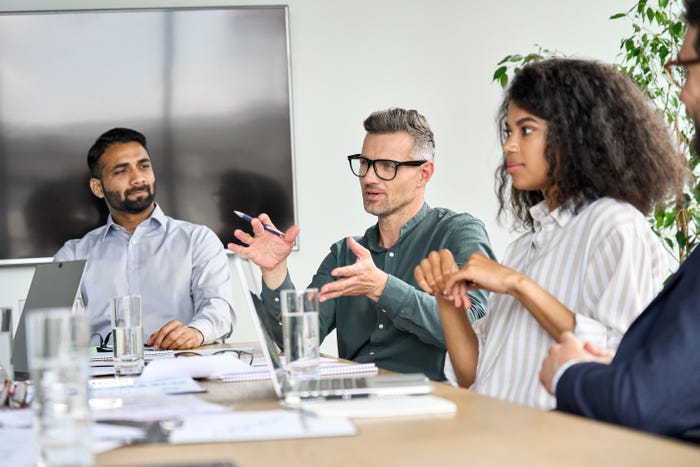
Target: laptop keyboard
[{"x": 331, "y": 384}]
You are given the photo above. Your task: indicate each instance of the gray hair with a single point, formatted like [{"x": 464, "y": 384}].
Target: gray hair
[{"x": 396, "y": 120}]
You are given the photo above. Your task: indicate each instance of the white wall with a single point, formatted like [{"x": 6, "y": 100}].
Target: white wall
[{"x": 352, "y": 57}]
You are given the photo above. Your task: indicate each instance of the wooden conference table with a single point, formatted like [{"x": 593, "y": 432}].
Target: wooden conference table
[{"x": 483, "y": 432}]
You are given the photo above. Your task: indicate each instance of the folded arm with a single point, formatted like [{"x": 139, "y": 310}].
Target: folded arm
[{"x": 484, "y": 273}]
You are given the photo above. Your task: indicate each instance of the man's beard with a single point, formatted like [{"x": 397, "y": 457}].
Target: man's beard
[{"x": 124, "y": 204}]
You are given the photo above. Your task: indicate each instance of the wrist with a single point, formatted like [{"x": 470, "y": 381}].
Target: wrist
[
  {"x": 379, "y": 290},
  {"x": 274, "y": 277},
  {"x": 200, "y": 334},
  {"x": 517, "y": 284}
]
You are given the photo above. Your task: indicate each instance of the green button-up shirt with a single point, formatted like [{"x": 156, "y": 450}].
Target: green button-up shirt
[{"x": 402, "y": 331}]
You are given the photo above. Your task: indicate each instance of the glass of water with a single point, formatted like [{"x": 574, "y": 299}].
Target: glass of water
[
  {"x": 300, "y": 329},
  {"x": 57, "y": 345},
  {"x": 6, "y": 342},
  {"x": 127, "y": 335}
]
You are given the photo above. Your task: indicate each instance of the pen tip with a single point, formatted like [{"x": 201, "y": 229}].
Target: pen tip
[{"x": 239, "y": 213}]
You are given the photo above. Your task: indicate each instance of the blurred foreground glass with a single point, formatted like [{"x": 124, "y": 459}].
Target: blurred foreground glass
[
  {"x": 57, "y": 350},
  {"x": 300, "y": 332},
  {"x": 127, "y": 335},
  {"x": 6, "y": 343}
]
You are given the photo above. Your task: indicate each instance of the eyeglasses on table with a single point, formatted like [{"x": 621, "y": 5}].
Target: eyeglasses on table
[{"x": 242, "y": 355}]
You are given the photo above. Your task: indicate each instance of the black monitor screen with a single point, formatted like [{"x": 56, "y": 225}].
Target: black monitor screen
[{"x": 208, "y": 87}]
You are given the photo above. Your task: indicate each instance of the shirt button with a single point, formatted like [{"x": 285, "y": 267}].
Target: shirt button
[
  {"x": 391, "y": 254},
  {"x": 381, "y": 326},
  {"x": 371, "y": 353},
  {"x": 133, "y": 268},
  {"x": 383, "y": 310},
  {"x": 277, "y": 299},
  {"x": 133, "y": 242}
]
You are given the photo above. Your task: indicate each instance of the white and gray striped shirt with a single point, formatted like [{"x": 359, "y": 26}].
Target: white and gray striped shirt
[{"x": 605, "y": 264}]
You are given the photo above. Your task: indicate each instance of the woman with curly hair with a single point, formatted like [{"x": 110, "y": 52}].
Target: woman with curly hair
[{"x": 585, "y": 156}]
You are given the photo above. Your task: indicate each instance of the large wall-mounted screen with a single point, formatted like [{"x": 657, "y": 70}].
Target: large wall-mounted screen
[{"x": 210, "y": 89}]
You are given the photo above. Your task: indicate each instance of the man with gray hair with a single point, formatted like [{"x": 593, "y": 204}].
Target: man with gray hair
[{"x": 367, "y": 289}]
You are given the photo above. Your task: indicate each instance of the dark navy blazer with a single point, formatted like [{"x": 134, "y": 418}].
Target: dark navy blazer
[{"x": 653, "y": 383}]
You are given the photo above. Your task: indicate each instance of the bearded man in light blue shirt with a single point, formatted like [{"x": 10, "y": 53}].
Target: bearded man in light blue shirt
[{"x": 180, "y": 269}]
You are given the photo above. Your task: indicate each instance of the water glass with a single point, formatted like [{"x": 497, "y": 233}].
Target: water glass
[
  {"x": 127, "y": 335},
  {"x": 57, "y": 351},
  {"x": 300, "y": 330},
  {"x": 6, "y": 342}
]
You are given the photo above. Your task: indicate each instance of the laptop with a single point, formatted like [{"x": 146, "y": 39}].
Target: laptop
[
  {"x": 322, "y": 388},
  {"x": 54, "y": 285}
]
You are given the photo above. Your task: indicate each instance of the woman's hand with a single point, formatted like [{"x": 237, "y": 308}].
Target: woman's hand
[
  {"x": 433, "y": 273},
  {"x": 481, "y": 272}
]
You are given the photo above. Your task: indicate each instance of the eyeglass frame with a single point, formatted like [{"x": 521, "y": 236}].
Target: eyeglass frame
[
  {"x": 104, "y": 345},
  {"x": 679, "y": 63},
  {"x": 104, "y": 342},
  {"x": 372, "y": 163},
  {"x": 239, "y": 353}
]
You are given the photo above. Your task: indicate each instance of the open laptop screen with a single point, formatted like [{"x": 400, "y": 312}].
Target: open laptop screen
[{"x": 54, "y": 285}]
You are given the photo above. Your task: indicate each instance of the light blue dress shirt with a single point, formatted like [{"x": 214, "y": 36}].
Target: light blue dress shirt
[{"x": 180, "y": 270}]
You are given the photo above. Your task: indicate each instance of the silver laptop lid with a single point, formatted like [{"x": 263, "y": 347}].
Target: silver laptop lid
[
  {"x": 272, "y": 359},
  {"x": 54, "y": 285}
]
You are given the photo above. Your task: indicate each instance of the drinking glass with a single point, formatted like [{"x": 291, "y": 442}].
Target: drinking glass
[
  {"x": 57, "y": 347},
  {"x": 300, "y": 331},
  {"x": 127, "y": 335}
]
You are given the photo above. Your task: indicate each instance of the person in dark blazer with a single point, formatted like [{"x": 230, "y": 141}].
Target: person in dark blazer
[{"x": 653, "y": 381}]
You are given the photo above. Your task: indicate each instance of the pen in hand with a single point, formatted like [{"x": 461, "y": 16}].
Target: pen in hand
[{"x": 247, "y": 218}]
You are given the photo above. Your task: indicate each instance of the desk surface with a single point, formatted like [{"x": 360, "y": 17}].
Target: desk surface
[{"x": 484, "y": 432}]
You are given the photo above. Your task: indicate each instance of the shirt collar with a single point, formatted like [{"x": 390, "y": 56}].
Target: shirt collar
[
  {"x": 157, "y": 217},
  {"x": 544, "y": 219},
  {"x": 372, "y": 233}
]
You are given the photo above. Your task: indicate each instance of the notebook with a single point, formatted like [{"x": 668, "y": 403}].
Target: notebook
[
  {"x": 54, "y": 285},
  {"x": 323, "y": 388}
]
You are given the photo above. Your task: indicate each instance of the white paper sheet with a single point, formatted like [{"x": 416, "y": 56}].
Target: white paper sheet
[
  {"x": 135, "y": 387},
  {"x": 209, "y": 366},
  {"x": 17, "y": 447},
  {"x": 158, "y": 408},
  {"x": 258, "y": 425}
]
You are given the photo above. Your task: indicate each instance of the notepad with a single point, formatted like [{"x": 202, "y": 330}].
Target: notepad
[
  {"x": 258, "y": 373},
  {"x": 385, "y": 406}
]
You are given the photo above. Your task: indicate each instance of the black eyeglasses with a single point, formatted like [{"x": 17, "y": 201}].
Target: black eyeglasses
[
  {"x": 241, "y": 354},
  {"x": 677, "y": 70},
  {"x": 104, "y": 342},
  {"x": 384, "y": 168}
]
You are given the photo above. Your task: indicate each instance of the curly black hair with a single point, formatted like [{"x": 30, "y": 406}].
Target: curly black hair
[{"x": 604, "y": 139}]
